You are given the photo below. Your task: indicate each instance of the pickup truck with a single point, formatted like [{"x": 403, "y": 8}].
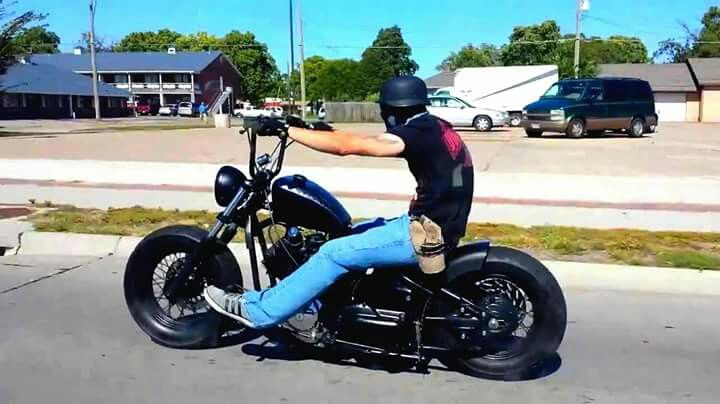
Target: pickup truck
[{"x": 247, "y": 110}]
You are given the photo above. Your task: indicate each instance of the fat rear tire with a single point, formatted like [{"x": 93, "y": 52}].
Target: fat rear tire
[
  {"x": 550, "y": 315},
  {"x": 191, "y": 331}
]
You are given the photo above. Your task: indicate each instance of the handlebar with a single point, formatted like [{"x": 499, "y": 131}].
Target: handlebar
[{"x": 251, "y": 127}]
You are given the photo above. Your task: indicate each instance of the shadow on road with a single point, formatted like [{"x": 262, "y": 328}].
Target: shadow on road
[{"x": 280, "y": 346}]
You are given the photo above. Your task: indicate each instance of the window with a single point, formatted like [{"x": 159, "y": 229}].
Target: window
[
  {"x": 616, "y": 91},
  {"x": 566, "y": 89},
  {"x": 453, "y": 103},
  {"x": 11, "y": 100},
  {"x": 594, "y": 93},
  {"x": 640, "y": 90},
  {"x": 438, "y": 102}
]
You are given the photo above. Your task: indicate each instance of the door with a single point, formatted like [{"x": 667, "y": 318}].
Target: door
[
  {"x": 446, "y": 108},
  {"x": 596, "y": 111},
  {"x": 618, "y": 105},
  {"x": 671, "y": 107}
]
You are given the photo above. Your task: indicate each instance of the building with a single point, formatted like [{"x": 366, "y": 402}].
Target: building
[
  {"x": 31, "y": 91},
  {"x": 676, "y": 94},
  {"x": 707, "y": 75},
  {"x": 440, "y": 80},
  {"x": 156, "y": 77}
]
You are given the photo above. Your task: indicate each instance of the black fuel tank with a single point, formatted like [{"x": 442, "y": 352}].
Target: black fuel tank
[{"x": 299, "y": 201}]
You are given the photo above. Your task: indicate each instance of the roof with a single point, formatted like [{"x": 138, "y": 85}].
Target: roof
[
  {"x": 45, "y": 79},
  {"x": 442, "y": 79},
  {"x": 194, "y": 62},
  {"x": 707, "y": 70},
  {"x": 662, "y": 77}
]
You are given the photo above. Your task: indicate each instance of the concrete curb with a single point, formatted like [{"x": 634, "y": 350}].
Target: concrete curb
[{"x": 576, "y": 275}]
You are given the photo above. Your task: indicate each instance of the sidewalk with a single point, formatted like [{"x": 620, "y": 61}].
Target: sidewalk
[{"x": 654, "y": 203}]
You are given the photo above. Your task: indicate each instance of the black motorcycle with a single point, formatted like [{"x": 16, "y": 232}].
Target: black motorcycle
[{"x": 494, "y": 312}]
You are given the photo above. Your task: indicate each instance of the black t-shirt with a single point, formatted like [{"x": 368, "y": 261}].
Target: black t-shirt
[{"x": 443, "y": 169}]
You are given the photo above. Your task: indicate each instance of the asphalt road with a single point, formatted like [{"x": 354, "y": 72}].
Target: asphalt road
[{"x": 67, "y": 338}]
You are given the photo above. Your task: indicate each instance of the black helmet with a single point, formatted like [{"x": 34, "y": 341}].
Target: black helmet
[{"x": 404, "y": 91}]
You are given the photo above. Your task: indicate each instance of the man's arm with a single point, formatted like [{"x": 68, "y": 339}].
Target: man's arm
[{"x": 343, "y": 143}]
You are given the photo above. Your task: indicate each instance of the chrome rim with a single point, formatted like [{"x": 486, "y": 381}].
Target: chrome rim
[
  {"x": 515, "y": 120},
  {"x": 577, "y": 128},
  {"x": 482, "y": 124},
  {"x": 166, "y": 270},
  {"x": 638, "y": 128}
]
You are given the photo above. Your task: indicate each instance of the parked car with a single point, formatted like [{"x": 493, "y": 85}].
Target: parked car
[
  {"x": 186, "y": 109},
  {"x": 274, "y": 112},
  {"x": 168, "y": 109},
  {"x": 461, "y": 114},
  {"x": 591, "y": 106},
  {"x": 147, "y": 109}
]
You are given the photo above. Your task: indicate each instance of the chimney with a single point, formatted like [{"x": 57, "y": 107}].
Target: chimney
[
  {"x": 171, "y": 50},
  {"x": 78, "y": 50}
]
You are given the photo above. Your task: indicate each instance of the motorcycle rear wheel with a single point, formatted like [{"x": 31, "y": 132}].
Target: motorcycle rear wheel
[
  {"x": 533, "y": 282},
  {"x": 155, "y": 260}
]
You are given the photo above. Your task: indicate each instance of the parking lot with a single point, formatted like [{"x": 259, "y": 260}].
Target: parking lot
[{"x": 678, "y": 149}]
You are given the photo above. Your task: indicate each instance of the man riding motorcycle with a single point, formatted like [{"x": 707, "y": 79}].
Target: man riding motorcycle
[{"x": 435, "y": 222}]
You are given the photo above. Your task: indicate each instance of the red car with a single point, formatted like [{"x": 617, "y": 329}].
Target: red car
[{"x": 147, "y": 109}]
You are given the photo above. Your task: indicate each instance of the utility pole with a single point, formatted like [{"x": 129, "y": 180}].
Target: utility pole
[
  {"x": 291, "y": 64},
  {"x": 96, "y": 97},
  {"x": 582, "y": 6},
  {"x": 302, "y": 61}
]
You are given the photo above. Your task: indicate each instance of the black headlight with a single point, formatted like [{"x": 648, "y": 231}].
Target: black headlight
[{"x": 228, "y": 182}]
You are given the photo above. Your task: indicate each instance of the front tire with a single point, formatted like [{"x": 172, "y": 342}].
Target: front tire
[
  {"x": 154, "y": 261},
  {"x": 545, "y": 334},
  {"x": 576, "y": 128},
  {"x": 483, "y": 123}
]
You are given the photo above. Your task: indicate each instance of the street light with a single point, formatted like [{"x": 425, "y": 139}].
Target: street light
[
  {"x": 96, "y": 97},
  {"x": 582, "y": 7}
]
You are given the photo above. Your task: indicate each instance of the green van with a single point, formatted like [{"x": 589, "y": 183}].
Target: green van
[{"x": 591, "y": 106}]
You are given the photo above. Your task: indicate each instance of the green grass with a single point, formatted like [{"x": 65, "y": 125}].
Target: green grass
[{"x": 634, "y": 247}]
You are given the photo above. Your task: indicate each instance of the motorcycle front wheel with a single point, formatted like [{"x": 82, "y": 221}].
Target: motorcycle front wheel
[
  {"x": 526, "y": 322},
  {"x": 188, "y": 321}
]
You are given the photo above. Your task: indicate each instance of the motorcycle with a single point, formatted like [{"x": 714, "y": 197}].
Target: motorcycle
[{"x": 494, "y": 312}]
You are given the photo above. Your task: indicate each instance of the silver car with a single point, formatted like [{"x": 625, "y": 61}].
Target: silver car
[{"x": 461, "y": 114}]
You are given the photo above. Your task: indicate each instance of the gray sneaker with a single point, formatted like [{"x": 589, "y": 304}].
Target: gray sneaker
[{"x": 229, "y": 304}]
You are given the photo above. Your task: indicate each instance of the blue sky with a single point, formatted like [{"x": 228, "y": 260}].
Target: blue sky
[{"x": 343, "y": 28}]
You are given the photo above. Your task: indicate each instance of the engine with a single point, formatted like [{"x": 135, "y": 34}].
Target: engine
[{"x": 291, "y": 251}]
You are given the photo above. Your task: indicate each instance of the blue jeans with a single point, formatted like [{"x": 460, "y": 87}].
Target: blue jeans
[{"x": 379, "y": 244}]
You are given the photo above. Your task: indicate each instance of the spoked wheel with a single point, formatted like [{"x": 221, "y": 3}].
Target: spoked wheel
[
  {"x": 524, "y": 323},
  {"x": 186, "y": 321}
]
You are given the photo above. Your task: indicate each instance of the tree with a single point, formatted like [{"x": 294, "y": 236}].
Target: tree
[
  {"x": 387, "y": 57},
  {"x": 148, "y": 41},
  {"x": 532, "y": 45},
  {"x": 703, "y": 44},
  {"x": 260, "y": 76},
  {"x": 11, "y": 27},
  {"x": 710, "y": 32},
  {"x": 37, "y": 40},
  {"x": 471, "y": 56},
  {"x": 100, "y": 44}
]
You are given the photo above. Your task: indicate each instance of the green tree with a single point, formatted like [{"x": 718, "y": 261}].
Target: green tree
[
  {"x": 148, "y": 41},
  {"x": 260, "y": 76},
  {"x": 702, "y": 44},
  {"x": 387, "y": 57},
  {"x": 471, "y": 56},
  {"x": 710, "y": 32},
  {"x": 10, "y": 27},
  {"x": 37, "y": 40},
  {"x": 342, "y": 80},
  {"x": 532, "y": 45}
]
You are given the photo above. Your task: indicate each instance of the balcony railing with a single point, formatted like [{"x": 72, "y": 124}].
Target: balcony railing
[{"x": 166, "y": 87}]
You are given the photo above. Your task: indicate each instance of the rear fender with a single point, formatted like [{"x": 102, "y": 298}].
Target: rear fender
[{"x": 467, "y": 258}]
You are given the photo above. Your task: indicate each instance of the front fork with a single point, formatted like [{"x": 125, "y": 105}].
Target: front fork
[{"x": 222, "y": 231}]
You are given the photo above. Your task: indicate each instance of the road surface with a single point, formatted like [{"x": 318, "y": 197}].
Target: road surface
[{"x": 67, "y": 338}]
